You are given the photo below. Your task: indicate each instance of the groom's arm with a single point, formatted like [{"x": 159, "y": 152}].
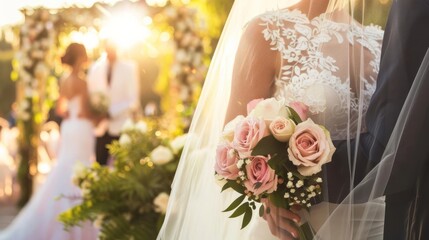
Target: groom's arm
[{"x": 352, "y": 159}]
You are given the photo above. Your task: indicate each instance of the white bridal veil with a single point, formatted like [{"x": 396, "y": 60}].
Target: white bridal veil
[{"x": 353, "y": 204}]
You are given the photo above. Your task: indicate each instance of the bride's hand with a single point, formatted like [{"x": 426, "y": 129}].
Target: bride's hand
[{"x": 282, "y": 222}]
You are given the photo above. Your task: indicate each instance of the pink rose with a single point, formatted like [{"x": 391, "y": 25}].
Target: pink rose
[
  {"x": 252, "y": 104},
  {"x": 247, "y": 134},
  {"x": 301, "y": 109},
  {"x": 310, "y": 147},
  {"x": 226, "y": 161},
  {"x": 282, "y": 128},
  {"x": 261, "y": 178}
]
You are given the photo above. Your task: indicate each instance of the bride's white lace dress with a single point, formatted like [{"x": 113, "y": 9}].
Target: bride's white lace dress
[
  {"x": 313, "y": 73},
  {"x": 316, "y": 68},
  {"x": 38, "y": 219}
]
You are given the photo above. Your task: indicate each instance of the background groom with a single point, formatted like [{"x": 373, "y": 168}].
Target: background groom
[{"x": 118, "y": 80}]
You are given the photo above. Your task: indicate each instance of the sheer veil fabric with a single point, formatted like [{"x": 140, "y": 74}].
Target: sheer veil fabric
[{"x": 329, "y": 61}]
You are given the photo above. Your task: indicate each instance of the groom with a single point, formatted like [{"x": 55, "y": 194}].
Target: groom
[
  {"x": 405, "y": 45},
  {"x": 406, "y": 40},
  {"x": 118, "y": 80}
]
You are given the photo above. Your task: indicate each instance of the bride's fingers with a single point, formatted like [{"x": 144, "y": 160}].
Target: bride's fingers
[
  {"x": 288, "y": 215},
  {"x": 286, "y": 225},
  {"x": 276, "y": 230}
]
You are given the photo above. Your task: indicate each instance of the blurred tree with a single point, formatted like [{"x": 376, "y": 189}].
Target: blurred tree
[
  {"x": 215, "y": 12},
  {"x": 374, "y": 11},
  {"x": 7, "y": 86}
]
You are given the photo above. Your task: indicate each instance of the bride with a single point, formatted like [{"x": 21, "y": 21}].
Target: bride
[
  {"x": 311, "y": 51},
  {"x": 38, "y": 219}
]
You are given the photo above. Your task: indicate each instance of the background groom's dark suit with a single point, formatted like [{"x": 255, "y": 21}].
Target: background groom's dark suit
[{"x": 405, "y": 43}]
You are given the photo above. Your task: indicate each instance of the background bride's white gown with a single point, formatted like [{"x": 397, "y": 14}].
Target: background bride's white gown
[{"x": 38, "y": 219}]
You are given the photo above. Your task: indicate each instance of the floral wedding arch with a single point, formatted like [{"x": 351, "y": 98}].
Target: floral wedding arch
[{"x": 36, "y": 66}]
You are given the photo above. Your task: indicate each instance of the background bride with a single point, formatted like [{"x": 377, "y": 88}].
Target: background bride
[{"x": 38, "y": 219}]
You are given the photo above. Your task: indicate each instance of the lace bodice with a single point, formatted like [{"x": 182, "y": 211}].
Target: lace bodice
[{"x": 314, "y": 72}]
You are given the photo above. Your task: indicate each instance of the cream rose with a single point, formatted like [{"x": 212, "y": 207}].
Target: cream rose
[
  {"x": 310, "y": 147},
  {"x": 124, "y": 140},
  {"x": 282, "y": 128},
  {"x": 141, "y": 126},
  {"x": 269, "y": 109},
  {"x": 229, "y": 129},
  {"x": 161, "y": 202},
  {"x": 128, "y": 125},
  {"x": 178, "y": 143},
  {"x": 161, "y": 155}
]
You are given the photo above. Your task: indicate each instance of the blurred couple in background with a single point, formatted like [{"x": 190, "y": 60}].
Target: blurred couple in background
[{"x": 93, "y": 109}]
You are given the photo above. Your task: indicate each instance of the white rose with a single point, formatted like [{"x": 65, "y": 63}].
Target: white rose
[
  {"x": 269, "y": 109},
  {"x": 229, "y": 129},
  {"x": 161, "y": 202},
  {"x": 178, "y": 143},
  {"x": 128, "y": 125},
  {"x": 161, "y": 155},
  {"x": 282, "y": 128},
  {"x": 141, "y": 126},
  {"x": 124, "y": 140},
  {"x": 79, "y": 170},
  {"x": 98, "y": 221}
]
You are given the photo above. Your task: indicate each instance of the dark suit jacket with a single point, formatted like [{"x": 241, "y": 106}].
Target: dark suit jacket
[{"x": 405, "y": 43}]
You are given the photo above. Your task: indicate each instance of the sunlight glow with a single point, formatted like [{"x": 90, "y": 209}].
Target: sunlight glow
[
  {"x": 157, "y": 3},
  {"x": 44, "y": 167},
  {"x": 88, "y": 38},
  {"x": 127, "y": 28}
]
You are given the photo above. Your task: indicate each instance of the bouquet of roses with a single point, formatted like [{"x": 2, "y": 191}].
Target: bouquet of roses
[
  {"x": 99, "y": 103},
  {"x": 274, "y": 153}
]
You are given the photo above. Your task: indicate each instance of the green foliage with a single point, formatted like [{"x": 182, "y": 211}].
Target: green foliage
[
  {"x": 216, "y": 13},
  {"x": 374, "y": 12},
  {"x": 121, "y": 200}
]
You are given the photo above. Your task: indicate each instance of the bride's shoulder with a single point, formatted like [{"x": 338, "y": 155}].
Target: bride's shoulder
[
  {"x": 270, "y": 25},
  {"x": 282, "y": 18}
]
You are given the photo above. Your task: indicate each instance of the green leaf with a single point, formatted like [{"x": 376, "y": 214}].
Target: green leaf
[
  {"x": 238, "y": 188},
  {"x": 279, "y": 164},
  {"x": 268, "y": 145},
  {"x": 240, "y": 210},
  {"x": 234, "y": 185},
  {"x": 294, "y": 116},
  {"x": 235, "y": 204},
  {"x": 247, "y": 217},
  {"x": 226, "y": 186},
  {"x": 261, "y": 210}
]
